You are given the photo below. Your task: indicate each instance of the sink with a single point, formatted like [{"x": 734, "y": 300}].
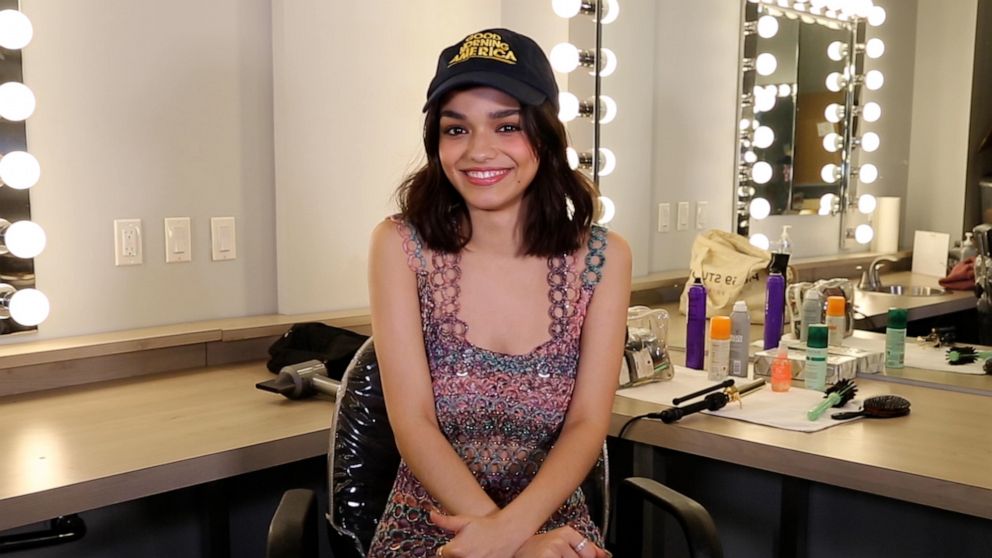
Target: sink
[{"x": 907, "y": 290}]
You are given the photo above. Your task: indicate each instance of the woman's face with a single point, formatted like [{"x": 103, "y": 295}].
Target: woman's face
[{"x": 484, "y": 150}]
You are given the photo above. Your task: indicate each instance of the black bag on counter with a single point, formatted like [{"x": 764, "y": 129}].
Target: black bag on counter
[{"x": 333, "y": 346}]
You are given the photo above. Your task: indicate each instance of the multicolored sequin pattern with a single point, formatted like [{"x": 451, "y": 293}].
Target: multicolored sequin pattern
[{"x": 502, "y": 413}]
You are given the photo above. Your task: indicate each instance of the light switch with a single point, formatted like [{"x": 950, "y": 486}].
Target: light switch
[
  {"x": 127, "y": 242},
  {"x": 177, "y": 240},
  {"x": 701, "y": 215},
  {"x": 683, "y": 217},
  {"x": 223, "y": 239},
  {"x": 664, "y": 217}
]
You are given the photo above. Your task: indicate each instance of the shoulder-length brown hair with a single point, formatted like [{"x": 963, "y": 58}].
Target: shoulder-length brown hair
[{"x": 431, "y": 204}]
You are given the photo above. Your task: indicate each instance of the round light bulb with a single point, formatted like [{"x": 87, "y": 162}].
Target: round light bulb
[
  {"x": 818, "y": 3},
  {"x": 564, "y": 57},
  {"x": 750, "y": 157},
  {"x": 868, "y": 173},
  {"x": 610, "y": 109},
  {"x": 870, "y": 142},
  {"x": 759, "y": 241},
  {"x": 859, "y": 8},
  {"x": 568, "y": 106},
  {"x": 612, "y": 12},
  {"x": 871, "y": 111},
  {"x": 15, "y": 29},
  {"x": 876, "y": 16},
  {"x": 766, "y": 63},
  {"x": 829, "y": 173},
  {"x": 744, "y": 124},
  {"x": 761, "y": 172},
  {"x": 19, "y": 170},
  {"x": 784, "y": 90},
  {"x": 16, "y": 101},
  {"x": 566, "y": 8},
  {"x": 609, "y": 210},
  {"x": 874, "y": 48},
  {"x": 863, "y": 234},
  {"x": 609, "y": 63},
  {"x": 571, "y": 155},
  {"x": 832, "y": 142},
  {"x": 759, "y": 208},
  {"x": 25, "y": 239},
  {"x": 767, "y": 26},
  {"x": 837, "y": 50},
  {"x": 867, "y": 203},
  {"x": 29, "y": 307},
  {"x": 835, "y": 81},
  {"x": 763, "y": 137},
  {"x": 874, "y": 80},
  {"x": 827, "y": 202},
  {"x": 764, "y": 102},
  {"x": 833, "y": 113},
  {"x": 608, "y": 163}
]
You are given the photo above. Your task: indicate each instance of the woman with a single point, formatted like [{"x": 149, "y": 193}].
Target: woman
[{"x": 498, "y": 363}]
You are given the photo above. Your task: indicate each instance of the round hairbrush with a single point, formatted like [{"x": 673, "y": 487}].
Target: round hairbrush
[
  {"x": 879, "y": 406},
  {"x": 845, "y": 388}
]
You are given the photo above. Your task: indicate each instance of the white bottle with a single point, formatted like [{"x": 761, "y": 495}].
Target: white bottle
[
  {"x": 968, "y": 249},
  {"x": 784, "y": 241},
  {"x": 812, "y": 313},
  {"x": 740, "y": 340}
]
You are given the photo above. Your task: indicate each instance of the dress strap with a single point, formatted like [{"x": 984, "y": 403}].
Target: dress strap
[
  {"x": 595, "y": 258},
  {"x": 412, "y": 245}
]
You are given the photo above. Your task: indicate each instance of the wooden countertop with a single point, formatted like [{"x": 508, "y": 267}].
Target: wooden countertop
[{"x": 84, "y": 447}]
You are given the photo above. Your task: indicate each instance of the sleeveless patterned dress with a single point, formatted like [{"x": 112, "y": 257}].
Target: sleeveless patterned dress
[{"x": 502, "y": 413}]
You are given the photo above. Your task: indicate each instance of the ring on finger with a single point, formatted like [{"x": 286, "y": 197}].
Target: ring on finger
[
  {"x": 440, "y": 551},
  {"x": 581, "y": 545}
]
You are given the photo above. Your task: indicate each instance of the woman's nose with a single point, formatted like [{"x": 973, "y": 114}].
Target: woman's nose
[{"x": 481, "y": 147}]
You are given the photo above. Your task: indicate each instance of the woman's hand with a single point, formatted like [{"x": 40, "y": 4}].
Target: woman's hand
[
  {"x": 477, "y": 537},
  {"x": 563, "y": 542}
]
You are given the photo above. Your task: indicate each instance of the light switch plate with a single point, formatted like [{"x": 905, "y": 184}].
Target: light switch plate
[
  {"x": 664, "y": 217},
  {"x": 127, "y": 242},
  {"x": 177, "y": 240},
  {"x": 223, "y": 239},
  {"x": 701, "y": 221},
  {"x": 683, "y": 217}
]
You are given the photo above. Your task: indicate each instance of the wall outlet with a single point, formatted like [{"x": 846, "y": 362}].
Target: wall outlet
[
  {"x": 664, "y": 217},
  {"x": 683, "y": 218},
  {"x": 127, "y": 242},
  {"x": 701, "y": 217}
]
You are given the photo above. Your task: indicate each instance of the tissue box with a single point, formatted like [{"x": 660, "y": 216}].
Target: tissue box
[{"x": 842, "y": 362}]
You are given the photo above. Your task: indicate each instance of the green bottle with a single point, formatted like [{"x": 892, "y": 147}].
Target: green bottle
[
  {"x": 895, "y": 339},
  {"x": 815, "y": 374}
]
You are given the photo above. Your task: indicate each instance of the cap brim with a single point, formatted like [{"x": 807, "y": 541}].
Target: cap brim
[{"x": 516, "y": 89}]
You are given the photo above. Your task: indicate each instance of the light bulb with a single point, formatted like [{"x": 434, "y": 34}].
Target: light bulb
[
  {"x": 16, "y": 101},
  {"x": 767, "y": 26},
  {"x": 566, "y": 8},
  {"x": 764, "y": 102},
  {"x": 761, "y": 172},
  {"x": 29, "y": 307},
  {"x": 818, "y": 3},
  {"x": 867, "y": 173},
  {"x": 572, "y": 156},
  {"x": 876, "y": 16},
  {"x": 608, "y": 162},
  {"x": 874, "y": 48},
  {"x": 837, "y": 50},
  {"x": 568, "y": 106},
  {"x": 24, "y": 239},
  {"x": 784, "y": 90},
  {"x": 763, "y": 137},
  {"x": 874, "y": 80},
  {"x": 609, "y": 210},
  {"x": 867, "y": 203},
  {"x": 870, "y": 142},
  {"x": 744, "y": 124},
  {"x": 832, "y": 142},
  {"x": 859, "y": 8},
  {"x": 833, "y": 113},
  {"x": 759, "y": 241},
  {"x": 871, "y": 111},
  {"x": 609, "y": 109},
  {"x": 750, "y": 157},
  {"x": 863, "y": 234},
  {"x": 835, "y": 82},
  {"x": 612, "y": 12},
  {"x": 766, "y": 63},
  {"x": 15, "y": 29},
  {"x": 564, "y": 57},
  {"x": 829, "y": 173},
  {"x": 827, "y": 202},
  {"x": 759, "y": 208},
  {"x": 19, "y": 170},
  {"x": 609, "y": 63}
]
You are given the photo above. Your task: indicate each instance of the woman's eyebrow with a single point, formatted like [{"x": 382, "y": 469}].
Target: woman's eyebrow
[
  {"x": 492, "y": 115},
  {"x": 453, "y": 114}
]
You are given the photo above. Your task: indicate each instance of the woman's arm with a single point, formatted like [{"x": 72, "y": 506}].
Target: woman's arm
[{"x": 406, "y": 383}]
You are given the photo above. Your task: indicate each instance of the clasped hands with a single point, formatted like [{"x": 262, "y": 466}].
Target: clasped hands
[{"x": 490, "y": 537}]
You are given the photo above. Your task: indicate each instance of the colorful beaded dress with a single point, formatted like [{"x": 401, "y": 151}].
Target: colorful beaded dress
[{"x": 502, "y": 413}]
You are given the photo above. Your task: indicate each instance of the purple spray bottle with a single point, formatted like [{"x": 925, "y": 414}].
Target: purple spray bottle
[
  {"x": 695, "y": 326},
  {"x": 774, "y": 309}
]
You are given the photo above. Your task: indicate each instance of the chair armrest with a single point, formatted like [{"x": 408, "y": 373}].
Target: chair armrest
[
  {"x": 293, "y": 530},
  {"x": 700, "y": 531}
]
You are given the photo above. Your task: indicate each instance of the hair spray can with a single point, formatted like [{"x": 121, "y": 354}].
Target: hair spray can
[
  {"x": 695, "y": 326},
  {"x": 774, "y": 310}
]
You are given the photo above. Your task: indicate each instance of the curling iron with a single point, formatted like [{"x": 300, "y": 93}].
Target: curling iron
[{"x": 711, "y": 402}]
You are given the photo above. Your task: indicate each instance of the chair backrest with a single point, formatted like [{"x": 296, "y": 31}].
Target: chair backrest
[{"x": 363, "y": 459}]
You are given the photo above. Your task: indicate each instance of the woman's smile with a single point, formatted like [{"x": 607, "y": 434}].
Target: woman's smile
[{"x": 485, "y": 177}]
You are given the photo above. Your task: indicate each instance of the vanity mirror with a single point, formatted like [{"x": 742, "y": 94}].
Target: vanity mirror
[{"x": 805, "y": 92}]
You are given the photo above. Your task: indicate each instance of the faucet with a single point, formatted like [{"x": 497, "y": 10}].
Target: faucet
[{"x": 869, "y": 278}]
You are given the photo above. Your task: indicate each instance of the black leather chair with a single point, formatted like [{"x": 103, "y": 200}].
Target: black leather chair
[{"x": 362, "y": 465}]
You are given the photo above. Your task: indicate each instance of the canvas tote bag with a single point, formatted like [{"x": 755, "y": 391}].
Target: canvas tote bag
[{"x": 731, "y": 269}]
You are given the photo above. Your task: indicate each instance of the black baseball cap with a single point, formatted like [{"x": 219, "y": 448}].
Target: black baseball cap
[{"x": 498, "y": 58}]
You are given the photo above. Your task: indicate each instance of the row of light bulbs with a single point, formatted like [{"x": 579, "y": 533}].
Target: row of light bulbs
[
  {"x": 566, "y": 58},
  {"x": 19, "y": 170}
]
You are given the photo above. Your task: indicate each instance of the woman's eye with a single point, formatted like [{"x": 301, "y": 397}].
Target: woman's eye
[
  {"x": 453, "y": 131},
  {"x": 507, "y": 128}
]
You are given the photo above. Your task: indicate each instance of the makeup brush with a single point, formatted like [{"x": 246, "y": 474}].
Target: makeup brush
[
  {"x": 880, "y": 406},
  {"x": 965, "y": 355}
]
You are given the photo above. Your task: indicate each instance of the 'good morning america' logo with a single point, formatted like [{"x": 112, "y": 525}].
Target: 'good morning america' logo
[{"x": 484, "y": 45}]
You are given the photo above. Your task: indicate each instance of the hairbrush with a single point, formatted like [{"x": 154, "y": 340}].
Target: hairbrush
[
  {"x": 879, "y": 406},
  {"x": 836, "y": 396},
  {"x": 987, "y": 367},
  {"x": 966, "y": 355}
]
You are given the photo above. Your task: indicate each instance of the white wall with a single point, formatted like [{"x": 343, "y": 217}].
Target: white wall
[{"x": 150, "y": 110}]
